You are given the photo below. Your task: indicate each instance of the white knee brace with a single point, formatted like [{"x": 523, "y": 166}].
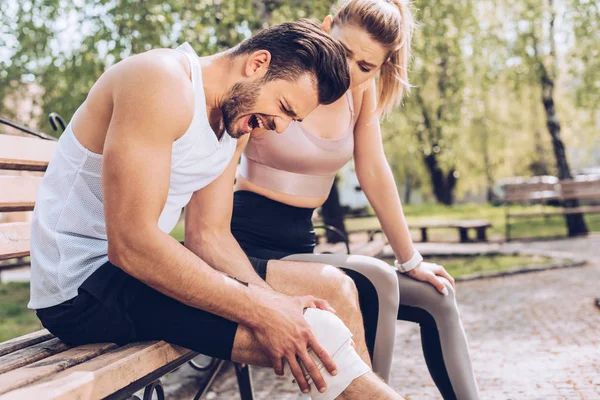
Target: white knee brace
[{"x": 335, "y": 337}]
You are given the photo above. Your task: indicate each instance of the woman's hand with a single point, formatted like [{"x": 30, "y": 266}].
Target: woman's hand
[{"x": 429, "y": 272}]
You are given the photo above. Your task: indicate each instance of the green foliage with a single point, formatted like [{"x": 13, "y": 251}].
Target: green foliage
[
  {"x": 15, "y": 318},
  {"x": 475, "y": 70},
  {"x": 64, "y": 46},
  {"x": 584, "y": 58}
]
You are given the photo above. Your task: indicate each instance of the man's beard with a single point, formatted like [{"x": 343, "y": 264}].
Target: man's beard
[{"x": 239, "y": 101}]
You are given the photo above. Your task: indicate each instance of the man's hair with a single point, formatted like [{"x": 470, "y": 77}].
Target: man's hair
[{"x": 302, "y": 47}]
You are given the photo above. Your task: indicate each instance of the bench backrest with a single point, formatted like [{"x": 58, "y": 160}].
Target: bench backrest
[
  {"x": 530, "y": 192},
  {"x": 586, "y": 189},
  {"x": 22, "y": 163}
]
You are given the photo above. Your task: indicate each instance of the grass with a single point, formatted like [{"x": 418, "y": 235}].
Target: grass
[
  {"x": 538, "y": 227},
  {"x": 178, "y": 231},
  {"x": 16, "y": 319},
  {"x": 461, "y": 266},
  {"x": 524, "y": 228}
]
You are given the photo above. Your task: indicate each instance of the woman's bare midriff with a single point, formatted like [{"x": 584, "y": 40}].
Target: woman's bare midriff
[{"x": 290, "y": 200}]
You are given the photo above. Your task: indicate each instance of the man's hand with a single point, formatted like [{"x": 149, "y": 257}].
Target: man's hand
[
  {"x": 286, "y": 336},
  {"x": 429, "y": 272}
]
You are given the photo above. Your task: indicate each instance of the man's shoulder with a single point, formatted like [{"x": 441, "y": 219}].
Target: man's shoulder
[
  {"x": 158, "y": 66},
  {"x": 156, "y": 83}
]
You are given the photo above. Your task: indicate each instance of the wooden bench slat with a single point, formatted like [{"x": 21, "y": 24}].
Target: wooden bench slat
[
  {"x": 18, "y": 193},
  {"x": 559, "y": 211},
  {"x": 24, "y": 341},
  {"x": 476, "y": 223},
  {"x": 14, "y": 240},
  {"x": 473, "y": 224},
  {"x": 31, "y": 354},
  {"x": 331, "y": 247},
  {"x": 584, "y": 209},
  {"x": 105, "y": 374},
  {"x": 357, "y": 245},
  {"x": 20, "y": 377},
  {"x": 22, "y": 153},
  {"x": 14, "y": 263},
  {"x": 586, "y": 189},
  {"x": 526, "y": 192},
  {"x": 373, "y": 247}
]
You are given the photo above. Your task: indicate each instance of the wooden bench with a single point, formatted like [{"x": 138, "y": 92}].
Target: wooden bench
[
  {"x": 39, "y": 365},
  {"x": 370, "y": 245},
  {"x": 479, "y": 225},
  {"x": 546, "y": 193}
]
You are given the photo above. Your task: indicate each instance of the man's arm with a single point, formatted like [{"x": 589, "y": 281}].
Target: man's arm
[
  {"x": 208, "y": 226},
  {"x": 153, "y": 104}
]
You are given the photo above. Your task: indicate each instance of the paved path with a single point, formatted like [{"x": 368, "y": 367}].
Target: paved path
[{"x": 533, "y": 336}]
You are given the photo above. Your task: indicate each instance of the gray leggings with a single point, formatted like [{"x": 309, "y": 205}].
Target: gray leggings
[{"x": 401, "y": 297}]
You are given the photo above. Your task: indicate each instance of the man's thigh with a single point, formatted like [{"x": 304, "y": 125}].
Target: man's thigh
[{"x": 112, "y": 306}]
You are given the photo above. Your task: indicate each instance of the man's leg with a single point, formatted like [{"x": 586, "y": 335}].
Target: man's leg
[
  {"x": 368, "y": 386},
  {"x": 113, "y": 306},
  {"x": 326, "y": 282},
  {"x": 329, "y": 283}
]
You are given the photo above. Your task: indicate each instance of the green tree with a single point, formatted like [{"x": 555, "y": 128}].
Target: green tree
[
  {"x": 536, "y": 46},
  {"x": 64, "y": 47},
  {"x": 438, "y": 74}
]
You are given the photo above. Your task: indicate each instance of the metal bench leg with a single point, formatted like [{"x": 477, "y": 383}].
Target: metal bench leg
[
  {"x": 154, "y": 387},
  {"x": 464, "y": 236},
  {"x": 481, "y": 234},
  {"x": 244, "y": 381},
  {"x": 507, "y": 222},
  {"x": 423, "y": 234},
  {"x": 211, "y": 374}
]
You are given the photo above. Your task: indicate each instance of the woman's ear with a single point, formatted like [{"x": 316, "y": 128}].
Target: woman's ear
[
  {"x": 326, "y": 25},
  {"x": 257, "y": 63}
]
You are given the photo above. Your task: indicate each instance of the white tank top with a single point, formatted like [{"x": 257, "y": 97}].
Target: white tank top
[{"x": 68, "y": 230}]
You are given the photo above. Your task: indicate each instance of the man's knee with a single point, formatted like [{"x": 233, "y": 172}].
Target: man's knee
[
  {"x": 331, "y": 333},
  {"x": 341, "y": 288}
]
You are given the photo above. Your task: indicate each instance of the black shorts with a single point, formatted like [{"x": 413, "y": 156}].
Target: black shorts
[{"x": 112, "y": 306}]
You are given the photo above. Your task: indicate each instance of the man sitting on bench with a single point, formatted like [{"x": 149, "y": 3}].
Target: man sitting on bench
[{"x": 155, "y": 134}]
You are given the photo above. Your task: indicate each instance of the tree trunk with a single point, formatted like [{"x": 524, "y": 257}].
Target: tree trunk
[
  {"x": 333, "y": 214},
  {"x": 539, "y": 165},
  {"x": 487, "y": 166},
  {"x": 576, "y": 225},
  {"x": 408, "y": 186},
  {"x": 442, "y": 184}
]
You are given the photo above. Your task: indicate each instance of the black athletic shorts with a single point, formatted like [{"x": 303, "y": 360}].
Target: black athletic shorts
[{"x": 112, "y": 306}]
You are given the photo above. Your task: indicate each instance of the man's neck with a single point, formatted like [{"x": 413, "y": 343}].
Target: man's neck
[{"x": 217, "y": 73}]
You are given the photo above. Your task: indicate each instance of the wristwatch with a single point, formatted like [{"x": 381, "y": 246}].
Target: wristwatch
[{"x": 411, "y": 264}]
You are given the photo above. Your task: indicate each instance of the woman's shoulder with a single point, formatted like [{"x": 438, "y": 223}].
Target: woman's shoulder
[{"x": 363, "y": 94}]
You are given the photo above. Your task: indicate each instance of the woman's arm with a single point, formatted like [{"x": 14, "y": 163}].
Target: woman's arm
[{"x": 377, "y": 181}]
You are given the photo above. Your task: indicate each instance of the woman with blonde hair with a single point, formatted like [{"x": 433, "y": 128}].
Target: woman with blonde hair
[{"x": 285, "y": 175}]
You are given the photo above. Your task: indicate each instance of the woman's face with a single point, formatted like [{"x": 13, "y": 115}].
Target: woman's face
[{"x": 365, "y": 55}]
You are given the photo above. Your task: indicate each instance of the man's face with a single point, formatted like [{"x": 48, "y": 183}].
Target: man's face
[{"x": 255, "y": 106}]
